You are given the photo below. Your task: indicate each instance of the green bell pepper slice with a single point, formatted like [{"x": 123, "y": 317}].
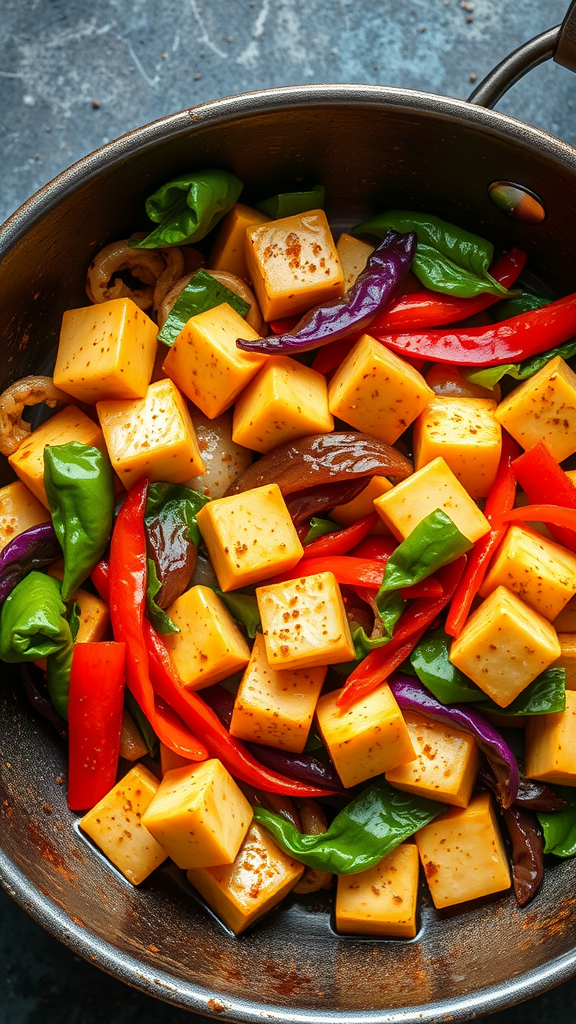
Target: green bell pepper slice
[{"x": 188, "y": 207}]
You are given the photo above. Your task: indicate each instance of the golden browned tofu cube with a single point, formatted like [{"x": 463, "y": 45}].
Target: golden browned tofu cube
[
  {"x": 543, "y": 408},
  {"x": 434, "y": 486},
  {"x": 377, "y": 392},
  {"x": 106, "y": 351},
  {"x": 293, "y": 264},
  {"x": 366, "y": 739},
  {"x": 567, "y": 659},
  {"x": 115, "y": 825},
  {"x": 382, "y": 900},
  {"x": 363, "y": 505},
  {"x": 504, "y": 645},
  {"x": 285, "y": 400},
  {"x": 540, "y": 571},
  {"x": 354, "y": 255},
  {"x": 466, "y": 434},
  {"x": 19, "y": 511},
  {"x": 152, "y": 436},
  {"x": 209, "y": 646},
  {"x": 304, "y": 623},
  {"x": 228, "y": 249},
  {"x": 463, "y": 854},
  {"x": 275, "y": 708},
  {"x": 206, "y": 363},
  {"x": 199, "y": 815},
  {"x": 250, "y": 536},
  {"x": 445, "y": 766},
  {"x": 565, "y": 622},
  {"x": 551, "y": 745},
  {"x": 258, "y": 880}
]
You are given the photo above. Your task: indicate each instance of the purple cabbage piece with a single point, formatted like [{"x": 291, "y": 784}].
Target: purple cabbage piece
[
  {"x": 37, "y": 696},
  {"x": 412, "y": 696},
  {"x": 33, "y": 549},
  {"x": 375, "y": 288}
]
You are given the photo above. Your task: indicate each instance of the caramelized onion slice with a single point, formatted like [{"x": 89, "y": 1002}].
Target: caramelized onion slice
[
  {"x": 323, "y": 459},
  {"x": 158, "y": 272},
  {"x": 27, "y": 391}
]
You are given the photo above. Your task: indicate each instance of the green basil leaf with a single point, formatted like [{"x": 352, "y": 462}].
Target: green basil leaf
[
  {"x": 434, "y": 542},
  {"x": 158, "y": 617},
  {"x": 367, "y": 829},
  {"x": 545, "y": 695},
  {"x": 390, "y": 608},
  {"x": 440, "y": 274},
  {"x": 520, "y": 371},
  {"x": 243, "y": 608},
  {"x": 202, "y": 292},
  {"x": 287, "y": 204},
  {"x": 320, "y": 527},
  {"x": 560, "y": 828},
  {"x": 430, "y": 660},
  {"x": 141, "y": 722},
  {"x": 188, "y": 207},
  {"x": 489, "y": 377}
]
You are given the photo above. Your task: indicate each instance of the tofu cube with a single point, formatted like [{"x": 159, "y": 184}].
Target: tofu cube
[
  {"x": 540, "y": 571},
  {"x": 434, "y": 486},
  {"x": 567, "y": 659},
  {"x": 199, "y": 815},
  {"x": 285, "y": 400},
  {"x": 69, "y": 424},
  {"x": 205, "y": 362},
  {"x": 363, "y": 505},
  {"x": 376, "y": 391},
  {"x": 463, "y": 854},
  {"x": 551, "y": 745},
  {"x": 304, "y": 623},
  {"x": 209, "y": 646},
  {"x": 152, "y": 436},
  {"x": 543, "y": 408},
  {"x": 293, "y": 264},
  {"x": 382, "y": 900},
  {"x": 275, "y": 708},
  {"x": 169, "y": 760},
  {"x": 467, "y": 435},
  {"x": 504, "y": 645},
  {"x": 258, "y": 880},
  {"x": 106, "y": 351},
  {"x": 228, "y": 249},
  {"x": 353, "y": 253},
  {"x": 445, "y": 766},
  {"x": 250, "y": 536},
  {"x": 565, "y": 622},
  {"x": 19, "y": 511},
  {"x": 115, "y": 825},
  {"x": 366, "y": 739}
]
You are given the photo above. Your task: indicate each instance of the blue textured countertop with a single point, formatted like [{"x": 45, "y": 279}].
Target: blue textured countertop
[{"x": 75, "y": 75}]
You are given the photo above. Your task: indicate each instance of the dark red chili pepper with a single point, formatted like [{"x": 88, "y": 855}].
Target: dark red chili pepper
[
  {"x": 499, "y": 501},
  {"x": 342, "y": 541},
  {"x": 543, "y": 480},
  {"x": 509, "y": 341},
  {"x": 95, "y": 708}
]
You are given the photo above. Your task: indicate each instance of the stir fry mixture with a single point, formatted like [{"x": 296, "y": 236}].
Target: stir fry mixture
[{"x": 298, "y": 540}]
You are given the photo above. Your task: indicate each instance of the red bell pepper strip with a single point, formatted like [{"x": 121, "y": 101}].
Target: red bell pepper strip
[
  {"x": 285, "y": 325},
  {"x": 510, "y": 341},
  {"x": 429, "y": 309},
  {"x": 342, "y": 541},
  {"x": 127, "y": 585},
  {"x": 499, "y": 501},
  {"x": 430, "y": 587},
  {"x": 380, "y": 663},
  {"x": 348, "y": 571},
  {"x": 378, "y": 548},
  {"x": 330, "y": 357},
  {"x": 230, "y": 751},
  {"x": 549, "y": 514},
  {"x": 543, "y": 480},
  {"x": 94, "y": 721}
]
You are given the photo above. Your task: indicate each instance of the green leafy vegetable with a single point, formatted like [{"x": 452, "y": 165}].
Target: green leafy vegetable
[
  {"x": 560, "y": 828},
  {"x": 520, "y": 371},
  {"x": 80, "y": 490},
  {"x": 363, "y": 643},
  {"x": 158, "y": 617},
  {"x": 371, "y": 825},
  {"x": 34, "y": 624},
  {"x": 243, "y": 608},
  {"x": 319, "y": 527},
  {"x": 201, "y": 293},
  {"x": 523, "y": 303},
  {"x": 448, "y": 259},
  {"x": 544, "y": 696},
  {"x": 434, "y": 542},
  {"x": 286, "y": 204},
  {"x": 141, "y": 722},
  {"x": 188, "y": 207}
]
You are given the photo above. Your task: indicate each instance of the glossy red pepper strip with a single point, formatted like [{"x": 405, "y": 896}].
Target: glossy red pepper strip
[
  {"x": 500, "y": 500},
  {"x": 553, "y": 515},
  {"x": 429, "y": 309},
  {"x": 379, "y": 548},
  {"x": 430, "y": 587},
  {"x": 230, "y": 751},
  {"x": 341, "y": 541},
  {"x": 510, "y": 341},
  {"x": 127, "y": 588},
  {"x": 379, "y": 664},
  {"x": 348, "y": 571},
  {"x": 94, "y": 721},
  {"x": 543, "y": 480}
]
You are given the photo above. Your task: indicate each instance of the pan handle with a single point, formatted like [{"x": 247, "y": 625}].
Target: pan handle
[{"x": 558, "y": 43}]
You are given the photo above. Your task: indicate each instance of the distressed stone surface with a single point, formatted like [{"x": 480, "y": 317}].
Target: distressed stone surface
[{"x": 74, "y": 75}]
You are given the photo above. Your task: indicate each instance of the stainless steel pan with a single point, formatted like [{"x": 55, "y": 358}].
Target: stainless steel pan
[{"x": 371, "y": 147}]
